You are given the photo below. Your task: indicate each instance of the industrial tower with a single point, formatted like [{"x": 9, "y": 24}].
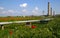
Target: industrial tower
[{"x": 49, "y": 9}]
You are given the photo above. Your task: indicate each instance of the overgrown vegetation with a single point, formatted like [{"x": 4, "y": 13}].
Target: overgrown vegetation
[{"x": 42, "y": 30}]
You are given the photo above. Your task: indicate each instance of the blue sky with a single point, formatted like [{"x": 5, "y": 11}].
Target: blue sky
[{"x": 27, "y": 7}]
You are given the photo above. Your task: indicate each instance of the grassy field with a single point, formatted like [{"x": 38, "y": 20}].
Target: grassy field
[
  {"x": 19, "y": 18},
  {"x": 41, "y": 30}
]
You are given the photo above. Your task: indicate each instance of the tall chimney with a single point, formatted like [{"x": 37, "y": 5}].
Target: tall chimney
[
  {"x": 49, "y": 9},
  {"x": 51, "y": 12}
]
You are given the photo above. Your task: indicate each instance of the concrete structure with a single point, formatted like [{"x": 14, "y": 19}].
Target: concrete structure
[
  {"x": 43, "y": 12},
  {"x": 53, "y": 13},
  {"x": 2, "y": 27},
  {"x": 49, "y": 10},
  {"x": 28, "y": 22}
]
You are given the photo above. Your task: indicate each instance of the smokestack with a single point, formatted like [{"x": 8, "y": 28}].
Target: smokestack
[
  {"x": 43, "y": 12},
  {"x": 51, "y": 12},
  {"x": 48, "y": 8}
]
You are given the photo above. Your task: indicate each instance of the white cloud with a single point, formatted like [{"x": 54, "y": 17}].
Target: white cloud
[
  {"x": 35, "y": 11},
  {"x": 24, "y": 10},
  {"x": 3, "y": 12},
  {"x": 8, "y": 11},
  {"x": 1, "y": 8},
  {"x": 11, "y": 11},
  {"x": 23, "y": 5},
  {"x": 36, "y": 8}
]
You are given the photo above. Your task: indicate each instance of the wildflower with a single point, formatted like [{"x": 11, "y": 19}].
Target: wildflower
[
  {"x": 33, "y": 26},
  {"x": 10, "y": 32}
]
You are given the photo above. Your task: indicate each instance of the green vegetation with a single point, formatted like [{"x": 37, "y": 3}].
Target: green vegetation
[
  {"x": 42, "y": 30},
  {"x": 11, "y": 18}
]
